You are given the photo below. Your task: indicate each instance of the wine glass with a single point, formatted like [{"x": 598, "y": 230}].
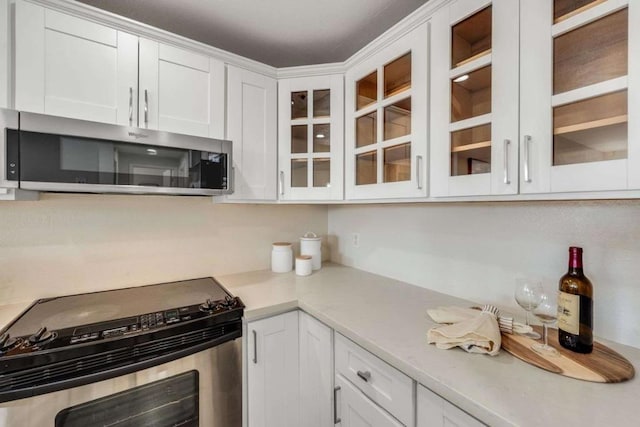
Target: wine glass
[
  {"x": 547, "y": 313},
  {"x": 528, "y": 295}
]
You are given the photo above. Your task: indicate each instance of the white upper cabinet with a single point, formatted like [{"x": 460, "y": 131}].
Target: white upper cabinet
[
  {"x": 474, "y": 104},
  {"x": 580, "y": 85},
  {"x": 5, "y": 57},
  {"x": 71, "y": 67},
  {"x": 311, "y": 117},
  {"x": 180, "y": 91},
  {"x": 252, "y": 126},
  {"x": 386, "y": 121}
]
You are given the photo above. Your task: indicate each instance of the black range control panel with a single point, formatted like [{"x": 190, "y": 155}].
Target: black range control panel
[
  {"x": 145, "y": 322},
  {"x": 130, "y": 325}
]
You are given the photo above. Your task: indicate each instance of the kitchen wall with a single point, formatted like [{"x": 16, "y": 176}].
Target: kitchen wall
[
  {"x": 476, "y": 250},
  {"x": 65, "y": 244}
]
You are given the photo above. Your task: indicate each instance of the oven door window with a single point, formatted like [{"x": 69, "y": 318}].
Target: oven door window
[
  {"x": 75, "y": 160},
  {"x": 165, "y": 403}
]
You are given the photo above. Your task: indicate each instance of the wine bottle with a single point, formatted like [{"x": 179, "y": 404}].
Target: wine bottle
[{"x": 575, "y": 306}]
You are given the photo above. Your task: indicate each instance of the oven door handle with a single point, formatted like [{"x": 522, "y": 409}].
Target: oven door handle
[{"x": 255, "y": 346}]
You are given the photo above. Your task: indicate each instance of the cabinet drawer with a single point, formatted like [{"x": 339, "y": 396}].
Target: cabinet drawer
[
  {"x": 356, "y": 410},
  {"x": 434, "y": 411},
  {"x": 384, "y": 384}
]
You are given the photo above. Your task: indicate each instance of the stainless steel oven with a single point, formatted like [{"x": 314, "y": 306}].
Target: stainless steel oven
[{"x": 145, "y": 356}]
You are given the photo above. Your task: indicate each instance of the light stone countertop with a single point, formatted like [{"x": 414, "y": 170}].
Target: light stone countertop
[{"x": 389, "y": 319}]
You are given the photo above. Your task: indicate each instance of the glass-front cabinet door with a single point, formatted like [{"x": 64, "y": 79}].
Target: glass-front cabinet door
[
  {"x": 580, "y": 95},
  {"x": 386, "y": 121},
  {"x": 474, "y": 110},
  {"x": 311, "y": 142}
]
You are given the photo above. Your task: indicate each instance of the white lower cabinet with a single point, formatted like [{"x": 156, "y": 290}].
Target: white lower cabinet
[
  {"x": 296, "y": 377},
  {"x": 354, "y": 409},
  {"x": 272, "y": 371},
  {"x": 316, "y": 373},
  {"x": 434, "y": 411}
]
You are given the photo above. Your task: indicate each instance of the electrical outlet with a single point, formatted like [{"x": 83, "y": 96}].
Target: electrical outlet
[{"x": 355, "y": 240}]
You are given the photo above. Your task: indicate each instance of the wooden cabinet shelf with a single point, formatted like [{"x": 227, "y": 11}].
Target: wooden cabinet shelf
[
  {"x": 472, "y": 146},
  {"x": 473, "y": 58},
  {"x": 565, "y": 9},
  {"x": 591, "y": 124}
]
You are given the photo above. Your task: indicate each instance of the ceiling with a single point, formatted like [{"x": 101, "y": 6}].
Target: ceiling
[{"x": 280, "y": 33}]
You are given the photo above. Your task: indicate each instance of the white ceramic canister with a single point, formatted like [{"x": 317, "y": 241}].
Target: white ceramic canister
[
  {"x": 281, "y": 257},
  {"x": 303, "y": 265},
  {"x": 311, "y": 244}
]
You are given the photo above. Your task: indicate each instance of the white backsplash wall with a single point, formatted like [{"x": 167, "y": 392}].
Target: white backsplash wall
[
  {"x": 65, "y": 244},
  {"x": 476, "y": 250}
]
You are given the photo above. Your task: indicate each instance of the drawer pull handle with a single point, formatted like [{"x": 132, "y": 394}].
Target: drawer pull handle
[
  {"x": 336, "y": 420},
  {"x": 366, "y": 376},
  {"x": 255, "y": 347}
]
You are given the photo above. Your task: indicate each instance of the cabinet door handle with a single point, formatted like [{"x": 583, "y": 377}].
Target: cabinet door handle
[
  {"x": 146, "y": 108},
  {"x": 507, "y": 143},
  {"x": 418, "y": 170},
  {"x": 282, "y": 183},
  {"x": 366, "y": 376},
  {"x": 527, "y": 148},
  {"x": 336, "y": 420},
  {"x": 130, "y": 106},
  {"x": 255, "y": 346}
]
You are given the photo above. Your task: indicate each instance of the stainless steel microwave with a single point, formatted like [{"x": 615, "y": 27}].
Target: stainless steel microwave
[{"x": 49, "y": 153}]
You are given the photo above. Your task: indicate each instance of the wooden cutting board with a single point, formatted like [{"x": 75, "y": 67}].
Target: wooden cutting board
[{"x": 603, "y": 365}]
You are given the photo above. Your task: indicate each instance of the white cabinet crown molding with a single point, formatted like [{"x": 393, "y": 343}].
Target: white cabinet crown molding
[
  {"x": 311, "y": 70},
  {"x": 404, "y": 26},
  {"x": 121, "y": 23},
  {"x": 397, "y": 31}
]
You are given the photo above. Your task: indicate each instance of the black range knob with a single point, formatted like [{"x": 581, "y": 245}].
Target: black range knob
[
  {"x": 7, "y": 343},
  {"x": 208, "y": 305},
  {"x": 43, "y": 335},
  {"x": 229, "y": 302}
]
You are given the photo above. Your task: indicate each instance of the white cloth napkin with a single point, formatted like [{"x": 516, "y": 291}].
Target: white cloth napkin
[{"x": 472, "y": 330}]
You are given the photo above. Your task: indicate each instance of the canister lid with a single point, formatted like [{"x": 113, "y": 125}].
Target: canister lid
[
  {"x": 303, "y": 257},
  {"x": 281, "y": 244},
  {"x": 310, "y": 236}
]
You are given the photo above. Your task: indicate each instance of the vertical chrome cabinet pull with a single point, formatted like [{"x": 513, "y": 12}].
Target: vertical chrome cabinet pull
[
  {"x": 282, "y": 183},
  {"x": 527, "y": 147},
  {"x": 255, "y": 346},
  {"x": 418, "y": 170},
  {"x": 146, "y": 108},
  {"x": 366, "y": 376},
  {"x": 507, "y": 143},
  {"x": 130, "y": 106},
  {"x": 336, "y": 420}
]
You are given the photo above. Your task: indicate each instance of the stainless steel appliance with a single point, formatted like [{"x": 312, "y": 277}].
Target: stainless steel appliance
[
  {"x": 160, "y": 355},
  {"x": 49, "y": 153}
]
